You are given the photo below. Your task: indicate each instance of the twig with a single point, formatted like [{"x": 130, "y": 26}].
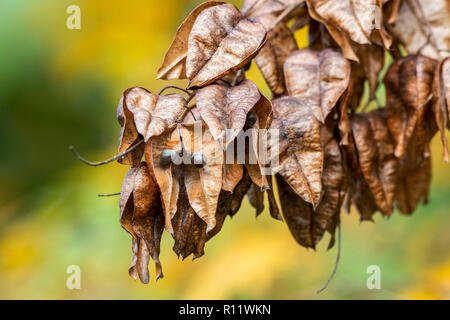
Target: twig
[
  {"x": 424, "y": 45},
  {"x": 284, "y": 14},
  {"x": 108, "y": 195},
  {"x": 173, "y": 87},
  {"x": 95, "y": 164},
  {"x": 426, "y": 101},
  {"x": 236, "y": 77},
  {"x": 338, "y": 258},
  {"x": 253, "y": 6},
  {"x": 189, "y": 99}
]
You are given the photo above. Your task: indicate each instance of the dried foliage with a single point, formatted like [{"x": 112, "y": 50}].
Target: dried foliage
[{"x": 330, "y": 154}]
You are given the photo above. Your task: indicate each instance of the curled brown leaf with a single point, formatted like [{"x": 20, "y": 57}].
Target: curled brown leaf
[{"x": 317, "y": 77}]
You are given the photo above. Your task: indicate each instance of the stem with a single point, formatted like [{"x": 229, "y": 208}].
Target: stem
[
  {"x": 338, "y": 258},
  {"x": 189, "y": 99},
  {"x": 95, "y": 164},
  {"x": 284, "y": 14},
  {"x": 173, "y": 87},
  {"x": 236, "y": 77},
  {"x": 109, "y": 195}
]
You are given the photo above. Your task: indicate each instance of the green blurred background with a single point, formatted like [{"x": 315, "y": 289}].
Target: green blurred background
[{"x": 61, "y": 87}]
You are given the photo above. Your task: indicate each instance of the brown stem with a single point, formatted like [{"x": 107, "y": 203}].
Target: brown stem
[
  {"x": 284, "y": 14},
  {"x": 109, "y": 195},
  {"x": 173, "y": 87},
  {"x": 336, "y": 264},
  {"x": 95, "y": 164}
]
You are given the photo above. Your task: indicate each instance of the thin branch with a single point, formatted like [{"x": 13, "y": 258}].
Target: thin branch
[
  {"x": 95, "y": 164},
  {"x": 173, "y": 87},
  {"x": 236, "y": 77},
  {"x": 253, "y": 6},
  {"x": 284, "y": 14},
  {"x": 109, "y": 195},
  {"x": 338, "y": 258},
  {"x": 189, "y": 99}
]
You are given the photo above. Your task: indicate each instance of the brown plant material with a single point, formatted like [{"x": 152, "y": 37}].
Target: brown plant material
[
  {"x": 408, "y": 90},
  {"x": 129, "y": 135},
  {"x": 221, "y": 41},
  {"x": 414, "y": 184},
  {"x": 358, "y": 19},
  {"x": 280, "y": 44},
  {"x": 204, "y": 157},
  {"x": 164, "y": 173},
  {"x": 317, "y": 77},
  {"x": 371, "y": 58},
  {"x": 203, "y": 185},
  {"x": 142, "y": 217},
  {"x": 423, "y": 27},
  {"x": 441, "y": 102},
  {"x": 225, "y": 109},
  {"x": 240, "y": 192},
  {"x": 256, "y": 8},
  {"x": 306, "y": 224},
  {"x": 231, "y": 176},
  {"x": 256, "y": 198},
  {"x": 300, "y": 151},
  {"x": 174, "y": 64},
  {"x": 375, "y": 152}
]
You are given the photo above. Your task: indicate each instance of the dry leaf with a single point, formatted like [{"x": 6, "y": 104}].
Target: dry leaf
[
  {"x": 300, "y": 151},
  {"x": 441, "y": 101},
  {"x": 225, "y": 109},
  {"x": 221, "y": 41},
  {"x": 358, "y": 189},
  {"x": 164, "y": 174},
  {"x": 239, "y": 193},
  {"x": 361, "y": 20},
  {"x": 371, "y": 58},
  {"x": 256, "y": 198},
  {"x": 129, "y": 135},
  {"x": 317, "y": 77},
  {"x": 232, "y": 175},
  {"x": 306, "y": 224},
  {"x": 142, "y": 217},
  {"x": 203, "y": 184},
  {"x": 280, "y": 44},
  {"x": 174, "y": 65},
  {"x": 423, "y": 27},
  {"x": 375, "y": 150},
  {"x": 408, "y": 89}
]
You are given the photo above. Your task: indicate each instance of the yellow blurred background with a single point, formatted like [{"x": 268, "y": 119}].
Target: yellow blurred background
[{"x": 62, "y": 87}]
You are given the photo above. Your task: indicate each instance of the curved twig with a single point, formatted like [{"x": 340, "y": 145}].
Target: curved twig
[
  {"x": 284, "y": 14},
  {"x": 109, "y": 195},
  {"x": 173, "y": 87},
  {"x": 338, "y": 258},
  {"x": 95, "y": 164}
]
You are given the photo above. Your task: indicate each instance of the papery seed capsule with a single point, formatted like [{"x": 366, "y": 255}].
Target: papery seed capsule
[
  {"x": 251, "y": 120},
  {"x": 166, "y": 157},
  {"x": 198, "y": 159}
]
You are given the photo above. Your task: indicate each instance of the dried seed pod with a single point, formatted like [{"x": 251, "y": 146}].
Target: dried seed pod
[
  {"x": 441, "y": 102},
  {"x": 317, "y": 77},
  {"x": 299, "y": 149},
  {"x": 408, "y": 91},
  {"x": 306, "y": 223},
  {"x": 142, "y": 217},
  {"x": 166, "y": 157}
]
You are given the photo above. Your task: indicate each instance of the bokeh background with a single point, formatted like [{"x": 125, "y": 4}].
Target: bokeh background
[{"x": 61, "y": 87}]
